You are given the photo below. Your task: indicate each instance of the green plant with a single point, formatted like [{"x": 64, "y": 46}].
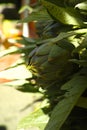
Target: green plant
[{"x": 58, "y": 63}]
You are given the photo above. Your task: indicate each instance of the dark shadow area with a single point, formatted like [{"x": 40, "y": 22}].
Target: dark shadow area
[
  {"x": 77, "y": 120},
  {"x": 2, "y": 127},
  {"x": 16, "y": 2},
  {"x": 10, "y": 11},
  {"x": 27, "y": 87}
]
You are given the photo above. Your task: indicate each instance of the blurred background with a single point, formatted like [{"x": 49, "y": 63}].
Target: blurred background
[{"x": 17, "y": 97}]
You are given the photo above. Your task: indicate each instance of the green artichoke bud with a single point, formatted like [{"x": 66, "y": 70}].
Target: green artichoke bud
[{"x": 50, "y": 62}]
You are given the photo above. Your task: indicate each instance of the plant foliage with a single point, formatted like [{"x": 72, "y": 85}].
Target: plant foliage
[{"x": 62, "y": 23}]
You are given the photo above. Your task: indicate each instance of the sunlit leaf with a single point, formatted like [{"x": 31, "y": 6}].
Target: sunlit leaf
[
  {"x": 35, "y": 121},
  {"x": 61, "y": 36},
  {"x": 82, "y": 5},
  {"x": 25, "y": 7},
  {"x": 70, "y": 3},
  {"x": 82, "y": 45},
  {"x": 66, "y": 15}
]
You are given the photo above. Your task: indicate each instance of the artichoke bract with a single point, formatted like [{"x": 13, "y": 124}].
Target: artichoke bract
[{"x": 50, "y": 62}]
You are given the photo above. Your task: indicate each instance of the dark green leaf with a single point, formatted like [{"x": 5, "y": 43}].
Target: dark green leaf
[
  {"x": 27, "y": 87},
  {"x": 82, "y": 102},
  {"x": 80, "y": 62},
  {"x": 41, "y": 15},
  {"x": 75, "y": 87}
]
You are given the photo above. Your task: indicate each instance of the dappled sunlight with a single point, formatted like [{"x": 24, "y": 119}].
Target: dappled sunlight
[
  {"x": 43, "y": 65},
  {"x": 15, "y": 101}
]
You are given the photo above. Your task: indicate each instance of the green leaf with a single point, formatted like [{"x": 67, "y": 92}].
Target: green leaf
[
  {"x": 27, "y": 41},
  {"x": 41, "y": 15},
  {"x": 82, "y": 102},
  {"x": 82, "y": 45},
  {"x": 70, "y": 3},
  {"x": 73, "y": 2},
  {"x": 61, "y": 36},
  {"x": 75, "y": 87},
  {"x": 35, "y": 121},
  {"x": 82, "y": 5},
  {"x": 80, "y": 62},
  {"x": 25, "y": 7},
  {"x": 66, "y": 15},
  {"x": 27, "y": 87}
]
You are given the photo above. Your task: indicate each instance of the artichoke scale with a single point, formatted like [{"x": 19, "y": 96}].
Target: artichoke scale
[
  {"x": 44, "y": 49},
  {"x": 43, "y": 83},
  {"x": 56, "y": 53},
  {"x": 62, "y": 60},
  {"x": 32, "y": 53},
  {"x": 53, "y": 75},
  {"x": 38, "y": 60},
  {"x": 47, "y": 67},
  {"x": 65, "y": 44},
  {"x": 33, "y": 60}
]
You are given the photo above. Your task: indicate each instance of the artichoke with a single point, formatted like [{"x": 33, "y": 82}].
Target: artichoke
[{"x": 49, "y": 62}]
